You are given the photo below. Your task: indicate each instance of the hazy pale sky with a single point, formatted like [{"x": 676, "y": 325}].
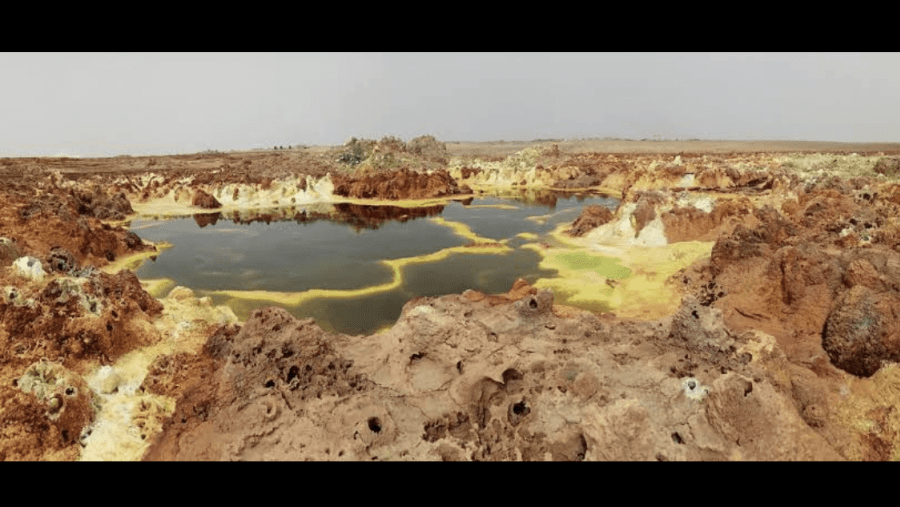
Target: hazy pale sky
[{"x": 102, "y": 104}]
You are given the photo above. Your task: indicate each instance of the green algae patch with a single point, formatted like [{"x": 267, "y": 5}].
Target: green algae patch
[
  {"x": 582, "y": 260},
  {"x": 582, "y": 277},
  {"x": 134, "y": 261},
  {"x": 633, "y": 282}
]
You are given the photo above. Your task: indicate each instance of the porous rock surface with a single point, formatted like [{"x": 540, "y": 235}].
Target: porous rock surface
[
  {"x": 475, "y": 377},
  {"x": 69, "y": 219}
]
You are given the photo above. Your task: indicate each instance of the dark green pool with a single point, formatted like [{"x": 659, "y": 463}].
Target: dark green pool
[{"x": 342, "y": 251}]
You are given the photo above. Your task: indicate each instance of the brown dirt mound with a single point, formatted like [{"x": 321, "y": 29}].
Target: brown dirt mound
[
  {"x": 645, "y": 212},
  {"x": 97, "y": 203}
]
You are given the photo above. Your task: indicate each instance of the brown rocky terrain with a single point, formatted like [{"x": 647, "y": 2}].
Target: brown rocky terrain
[
  {"x": 401, "y": 184},
  {"x": 784, "y": 345}
]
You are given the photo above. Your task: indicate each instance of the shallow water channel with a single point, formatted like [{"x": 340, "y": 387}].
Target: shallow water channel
[{"x": 353, "y": 268}]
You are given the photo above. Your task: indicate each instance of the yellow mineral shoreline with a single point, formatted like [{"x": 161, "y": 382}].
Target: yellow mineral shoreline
[{"x": 396, "y": 265}]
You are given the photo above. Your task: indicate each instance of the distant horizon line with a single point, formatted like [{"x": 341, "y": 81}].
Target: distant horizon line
[{"x": 300, "y": 146}]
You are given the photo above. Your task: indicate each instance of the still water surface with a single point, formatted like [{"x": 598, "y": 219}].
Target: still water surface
[{"x": 344, "y": 252}]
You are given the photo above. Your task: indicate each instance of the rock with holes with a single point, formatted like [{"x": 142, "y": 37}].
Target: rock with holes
[
  {"x": 61, "y": 261},
  {"x": 535, "y": 305},
  {"x": 700, "y": 326},
  {"x": 67, "y": 399},
  {"x": 474, "y": 377},
  {"x": 694, "y": 390}
]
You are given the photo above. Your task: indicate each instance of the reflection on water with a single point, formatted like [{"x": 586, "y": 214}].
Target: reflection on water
[
  {"x": 358, "y": 216},
  {"x": 341, "y": 246}
]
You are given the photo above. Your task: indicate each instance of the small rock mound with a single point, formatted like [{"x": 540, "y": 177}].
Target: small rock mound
[
  {"x": 45, "y": 413},
  {"x": 205, "y": 200},
  {"x": 428, "y": 147},
  {"x": 858, "y": 330},
  {"x": 700, "y": 327},
  {"x": 355, "y": 151},
  {"x": 888, "y": 166},
  {"x": 95, "y": 202},
  {"x": 590, "y": 218}
]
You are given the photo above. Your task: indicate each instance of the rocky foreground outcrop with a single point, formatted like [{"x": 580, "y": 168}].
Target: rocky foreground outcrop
[
  {"x": 469, "y": 377},
  {"x": 37, "y": 219},
  {"x": 48, "y": 340},
  {"x": 821, "y": 274}
]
